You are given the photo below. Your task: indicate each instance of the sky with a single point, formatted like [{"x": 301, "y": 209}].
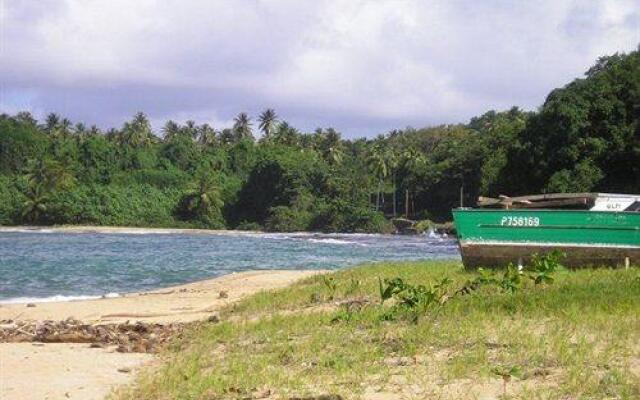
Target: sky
[{"x": 363, "y": 67}]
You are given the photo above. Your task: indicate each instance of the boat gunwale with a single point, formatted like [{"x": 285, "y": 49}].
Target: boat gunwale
[{"x": 528, "y": 210}]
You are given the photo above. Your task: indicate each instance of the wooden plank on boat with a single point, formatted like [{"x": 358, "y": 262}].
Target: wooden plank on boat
[
  {"x": 555, "y": 196},
  {"x": 553, "y": 203},
  {"x": 551, "y": 200}
]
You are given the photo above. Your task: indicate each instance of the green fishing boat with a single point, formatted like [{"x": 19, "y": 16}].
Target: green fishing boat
[{"x": 598, "y": 229}]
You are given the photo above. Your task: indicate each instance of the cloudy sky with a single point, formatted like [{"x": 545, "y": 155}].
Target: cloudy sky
[{"x": 363, "y": 67}]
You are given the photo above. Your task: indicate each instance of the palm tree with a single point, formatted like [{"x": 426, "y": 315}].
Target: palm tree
[
  {"x": 115, "y": 136},
  {"x": 207, "y": 136},
  {"x": 36, "y": 204},
  {"x": 51, "y": 123},
  {"x": 94, "y": 131},
  {"x": 335, "y": 155},
  {"x": 268, "y": 119},
  {"x": 206, "y": 197},
  {"x": 227, "y": 136},
  {"x": 65, "y": 128},
  {"x": 170, "y": 130},
  {"x": 286, "y": 134},
  {"x": 411, "y": 160},
  {"x": 80, "y": 132},
  {"x": 48, "y": 175},
  {"x": 330, "y": 145},
  {"x": 44, "y": 177},
  {"x": 378, "y": 162},
  {"x": 242, "y": 126},
  {"x": 137, "y": 133},
  {"x": 190, "y": 129},
  {"x": 26, "y": 117},
  {"x": 392, "y": 165},
  {"x": 80, "y": 129}
]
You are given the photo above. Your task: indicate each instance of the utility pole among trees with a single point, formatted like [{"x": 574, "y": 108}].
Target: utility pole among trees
[{"x": 406, "y": 203}]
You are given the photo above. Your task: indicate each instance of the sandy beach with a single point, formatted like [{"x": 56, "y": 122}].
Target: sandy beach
[{"x": 68, "y": 370}]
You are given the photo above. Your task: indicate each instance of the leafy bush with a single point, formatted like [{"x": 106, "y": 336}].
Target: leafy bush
[
  {"x": 543, "y": 267},
  {"x": 293, "y": 218},
  {"x": 11, "y": 199},
  {"x": 160, "y": 178},
  {"x": 424, "y": 225},
  {"x": 288, "y": 219},
  {"x": 412, "y": 300},
  {"x": 249, "y": 226},
  {"x": 114, "y": 205},
  {"x": 415, "y": 300},
  {"x": 340, "y": 216}
]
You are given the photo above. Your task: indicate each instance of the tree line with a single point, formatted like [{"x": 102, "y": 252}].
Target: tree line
[{"x": 585, "y": 137}]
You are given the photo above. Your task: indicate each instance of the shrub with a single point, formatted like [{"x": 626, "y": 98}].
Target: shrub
[
  {"x": 139, "y": 205},
  {"x": 424, "y": 225},
  {"x": 288, "y": 219},
  {"x": 11, "y": 200},
  {"x": 249, "y": 226},
  {"x": 341, "y": 216}
]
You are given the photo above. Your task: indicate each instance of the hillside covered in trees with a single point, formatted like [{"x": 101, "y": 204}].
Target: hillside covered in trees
[{"x": 585, "y": 137}]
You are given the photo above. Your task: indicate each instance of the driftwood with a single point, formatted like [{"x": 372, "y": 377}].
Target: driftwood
[{"x": 138, "y": 337}]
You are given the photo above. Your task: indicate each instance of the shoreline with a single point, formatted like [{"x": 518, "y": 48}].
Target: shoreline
[
  {"x": 132, "y": 230},
  {"x": 76, "y": 370},
  {"x": 71, "y": 294},
  {"x": 117, "y": 229},
  {"x": 178, "y": 303}
]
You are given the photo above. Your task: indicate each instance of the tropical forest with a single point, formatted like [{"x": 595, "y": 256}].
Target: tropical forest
[{"x": 262, "y": 173}]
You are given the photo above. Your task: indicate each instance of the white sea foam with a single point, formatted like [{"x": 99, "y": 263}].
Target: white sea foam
[
  {"x": 54, "y": 299},
  {"x": 336, "y": 241},
  {"x": 25, "y": 230}
]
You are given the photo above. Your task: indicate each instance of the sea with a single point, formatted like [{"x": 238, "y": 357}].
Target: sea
[{"x": 43, "y": 265}]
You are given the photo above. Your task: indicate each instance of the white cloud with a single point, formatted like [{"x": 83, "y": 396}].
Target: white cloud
[{"x": 363, "y": 65}]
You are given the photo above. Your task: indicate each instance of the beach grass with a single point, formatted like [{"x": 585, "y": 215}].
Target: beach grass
[{"x": 575, "y": 338}]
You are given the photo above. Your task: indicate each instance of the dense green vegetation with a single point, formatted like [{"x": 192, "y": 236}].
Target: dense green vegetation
[
  {"x": 416, "y": 330},
  {"x": 585, "y": 137}
]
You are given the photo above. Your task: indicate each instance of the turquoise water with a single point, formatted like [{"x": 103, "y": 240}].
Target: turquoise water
[{"x": 48, "y": 266}]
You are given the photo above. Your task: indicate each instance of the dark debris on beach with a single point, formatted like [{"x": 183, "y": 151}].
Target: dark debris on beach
[{"x": 137, "y": 337}]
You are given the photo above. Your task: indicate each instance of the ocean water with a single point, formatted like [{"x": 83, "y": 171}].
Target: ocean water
[{"x": 49, "y": 266}]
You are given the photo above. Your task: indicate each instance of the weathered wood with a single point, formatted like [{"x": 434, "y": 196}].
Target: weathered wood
[
  {"x": 538, "y": 201},
  {"x": 553, "y": 203},
  {"x": 476, "y": 255}
]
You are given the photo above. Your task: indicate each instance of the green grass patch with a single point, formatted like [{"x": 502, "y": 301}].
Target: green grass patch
[{"x": 577, "y": 337}]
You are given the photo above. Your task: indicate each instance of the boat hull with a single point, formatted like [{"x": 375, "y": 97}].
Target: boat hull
[{"x": 491, "y": 238}]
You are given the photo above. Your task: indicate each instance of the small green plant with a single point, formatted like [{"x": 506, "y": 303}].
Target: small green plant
[
  {"x": 412, "y": 299},
  {"x": 389, "y": 287},
  {"x": 540, "y": 272},
  {"x": 506, "y": 373},
  {"x": 511, "y": 279},
  {"x": 543, "y": 267},
  {"x": 342, "y": 315},
  {"x": 331, "y": 285},
  {"x": 354, "y": 286}
]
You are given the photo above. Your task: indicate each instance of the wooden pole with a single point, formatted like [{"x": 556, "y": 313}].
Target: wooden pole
[
  {"x": 406, "y": 203},
  {"x": 394, "y": 195},
  {"x": 413, "y": 207}
]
